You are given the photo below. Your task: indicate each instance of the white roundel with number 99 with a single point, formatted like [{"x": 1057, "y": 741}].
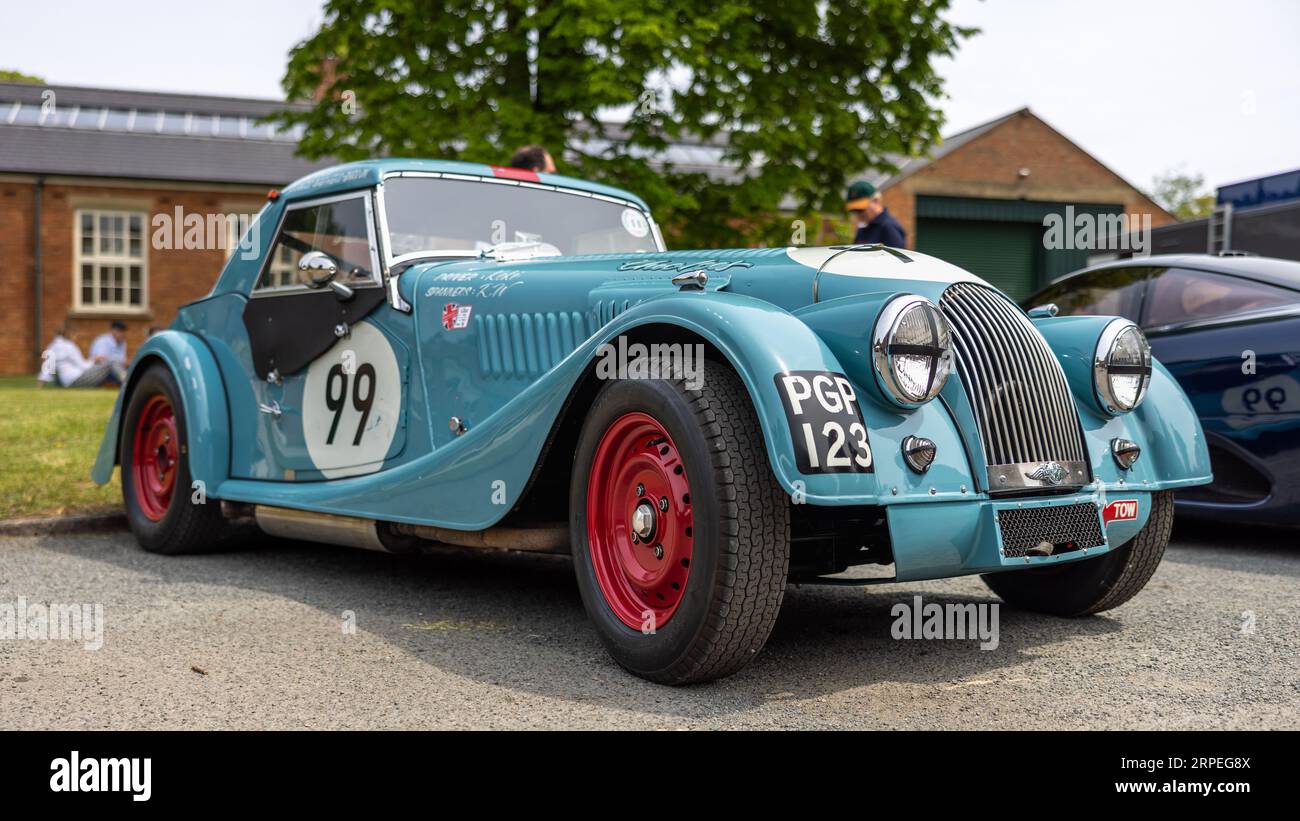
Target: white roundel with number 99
[{"x": 351, "y": 403}]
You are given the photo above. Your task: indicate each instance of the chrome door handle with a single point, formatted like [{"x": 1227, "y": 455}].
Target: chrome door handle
[
  {"x": 343, "y": 292},
  {"x": 273, "y": 409}
]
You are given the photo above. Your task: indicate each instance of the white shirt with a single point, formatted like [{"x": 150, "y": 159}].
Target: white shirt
[
  {"x": 109, "y": 348},
  {"x": 63, "y": 358}
]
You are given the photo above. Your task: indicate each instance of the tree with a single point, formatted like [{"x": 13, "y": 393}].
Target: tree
[
  {"x": 798, "y": 93},
  {"x": 11, "y": 76},
  {"x": 1182, "y": 194}
]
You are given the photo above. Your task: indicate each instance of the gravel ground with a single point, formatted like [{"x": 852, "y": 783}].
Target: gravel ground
[{"x": 257, "y": 639}]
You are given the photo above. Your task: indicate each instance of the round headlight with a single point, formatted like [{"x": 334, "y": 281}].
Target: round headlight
[
  {"x": 911, "y": 349},
  {"x": 1121, "y": 367}
]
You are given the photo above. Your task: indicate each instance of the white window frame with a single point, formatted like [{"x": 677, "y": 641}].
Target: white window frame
[{"x": 100, "y": 259}]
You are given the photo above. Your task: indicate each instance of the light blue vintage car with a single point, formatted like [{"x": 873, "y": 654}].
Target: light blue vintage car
[{"x": 408, "y": 353}]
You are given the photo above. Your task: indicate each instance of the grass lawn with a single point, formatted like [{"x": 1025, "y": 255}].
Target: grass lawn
[{"x": 48, "y": 441}]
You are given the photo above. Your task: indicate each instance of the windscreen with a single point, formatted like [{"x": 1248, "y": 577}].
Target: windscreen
[{"x": 429, "y": 214}]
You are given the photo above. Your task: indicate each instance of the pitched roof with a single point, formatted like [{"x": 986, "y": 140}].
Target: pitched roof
[
  {"x": 907, "y": 166},
  {"x": 145, "y": 134}
]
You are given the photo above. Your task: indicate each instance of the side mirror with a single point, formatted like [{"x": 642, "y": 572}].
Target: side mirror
[
  {"x": 1044, "y": 311},
  {"x": 317, "y": 269}
]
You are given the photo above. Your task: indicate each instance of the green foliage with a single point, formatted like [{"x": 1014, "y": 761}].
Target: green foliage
[
  {"x": 1182, "y": 194},
  {"x": 11, "y": 76},
  {"x": 799, "y": 93},
  {"x": 48, "y": 443}
]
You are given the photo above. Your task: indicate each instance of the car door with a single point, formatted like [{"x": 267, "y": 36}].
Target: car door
[{"x": 328, "y": 358}]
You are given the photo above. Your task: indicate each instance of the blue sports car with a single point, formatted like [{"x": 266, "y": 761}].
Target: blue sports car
[
  {"x": 1228, "y": 329},
  {"x": 410, "y": 352}
]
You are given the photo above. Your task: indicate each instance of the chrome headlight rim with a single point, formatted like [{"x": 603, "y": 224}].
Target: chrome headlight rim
[
  {"x": 1103, "y": 369},
  {"x": 884, "y": 351}
]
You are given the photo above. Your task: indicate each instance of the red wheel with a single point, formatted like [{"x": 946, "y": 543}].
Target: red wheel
[
  {"x": 640, "y": 523},
  {"x": 155, "y": 457},
  {"x": 156, "y": 480},
  {"x": 681, "y": 534}
]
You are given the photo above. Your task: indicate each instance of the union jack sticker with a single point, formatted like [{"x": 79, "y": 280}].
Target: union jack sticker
[{"x": 455, "y": 317}]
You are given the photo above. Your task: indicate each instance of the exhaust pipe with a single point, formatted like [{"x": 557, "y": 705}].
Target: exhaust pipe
[
  {"x": 388, "y": 537},
  {"x": 328, "y": 528},
  {"x": 532, "y": 539},
  {"x": 1041, "y": 549}
]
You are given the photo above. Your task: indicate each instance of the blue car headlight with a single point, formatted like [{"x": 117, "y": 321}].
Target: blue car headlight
[
  {"x": 1121, "y": 368},
  {"x": 911, "y": 349}
]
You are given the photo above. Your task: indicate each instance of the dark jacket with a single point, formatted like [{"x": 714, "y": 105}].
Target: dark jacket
[{"x": 885, "y": 229}]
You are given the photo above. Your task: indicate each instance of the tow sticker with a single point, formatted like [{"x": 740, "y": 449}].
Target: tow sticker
[
  {"x": 1120, "y": 510},
  {"x": 826, "y": 427}
]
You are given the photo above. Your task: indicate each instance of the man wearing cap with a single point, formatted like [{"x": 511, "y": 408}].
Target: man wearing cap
[
  {"x": 875, "y": 223},
  {"x": 111, "y": 347}
]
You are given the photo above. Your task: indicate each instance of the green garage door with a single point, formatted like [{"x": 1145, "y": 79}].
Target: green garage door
[{"x": 1006, "y": 254}]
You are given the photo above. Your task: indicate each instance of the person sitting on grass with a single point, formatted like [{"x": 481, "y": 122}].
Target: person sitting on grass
[
  {"x": 63, "y": 364},
  {"x": 111, "y": 346}
]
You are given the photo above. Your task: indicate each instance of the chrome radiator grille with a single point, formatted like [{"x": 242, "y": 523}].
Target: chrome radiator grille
[{"x": 1027, "y": 420}]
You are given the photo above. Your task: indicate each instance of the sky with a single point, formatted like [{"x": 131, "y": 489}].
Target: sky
[{"x": 1144, "y": 85}]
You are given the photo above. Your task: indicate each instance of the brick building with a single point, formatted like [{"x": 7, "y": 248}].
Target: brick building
[
  {"x": 87, "y": 171},
  {"x": 979, "y": 200}
]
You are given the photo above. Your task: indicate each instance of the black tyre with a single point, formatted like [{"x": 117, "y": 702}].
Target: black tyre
[
  {"x": 681, "y": 534},
  {"x": 1092, "y": 585},
  {"x": 157, "y": 488}
]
